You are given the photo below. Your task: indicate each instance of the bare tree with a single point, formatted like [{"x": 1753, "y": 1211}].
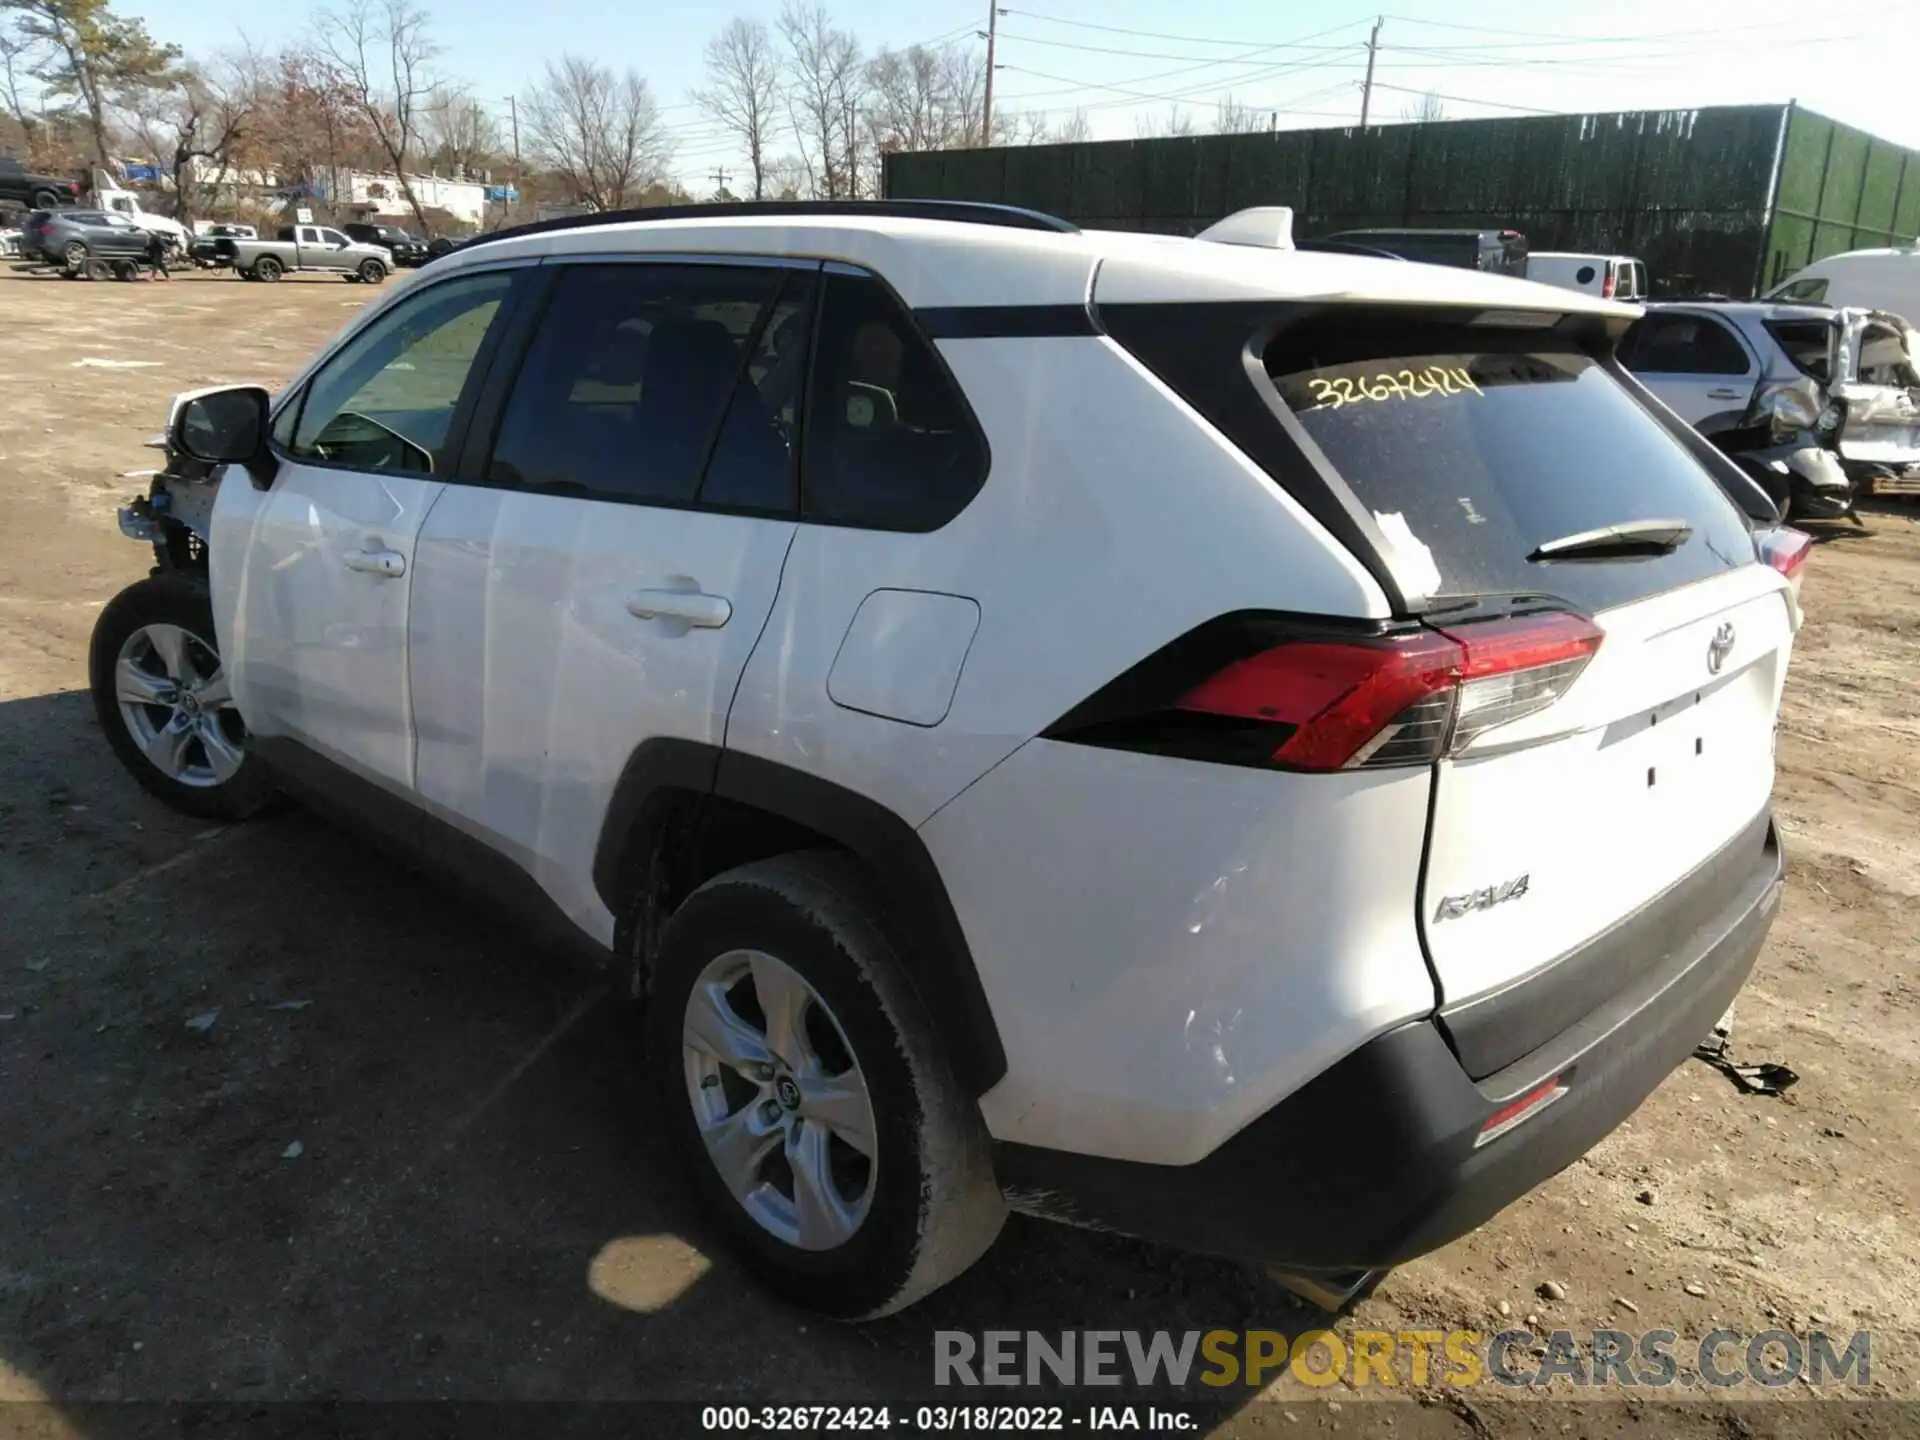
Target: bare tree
[
  {"x": 825, "y": 97},
  {"x": 18, "y": 56},
  {"x": 199, "y": 117},
  {"x": 382, "y": 53},
  {"x": 459, "y": 133},
  {"x": 308, "y": 124},
  {"x": 787, "y": 178},
  {"x": 1236, "y": 117},
  {"x": 1175, "y": 122},
  {"x": 1074, "y": 130},
  {"x": 1427, "y": 108},
  {"x": 742, "y": 93},
  {"x": 599, "y": 131}
]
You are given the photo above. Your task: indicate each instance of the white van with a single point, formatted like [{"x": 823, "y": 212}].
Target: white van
[
  {"x": 1611, "y": 277},
  {"x": 1869, "y": 279}
]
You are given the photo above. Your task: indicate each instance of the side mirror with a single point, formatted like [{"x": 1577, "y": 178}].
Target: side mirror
[{"x": 226, "y": 427}]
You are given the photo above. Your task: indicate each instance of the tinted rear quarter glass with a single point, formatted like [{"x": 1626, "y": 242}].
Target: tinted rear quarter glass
[
  {"x": 1479, "y": 446},
  {"x": 889, "y": 442}
]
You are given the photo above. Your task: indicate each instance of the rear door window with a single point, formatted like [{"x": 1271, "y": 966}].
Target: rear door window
[
  {"x": 1678, "y": 344},
  {"x": 1806, "y": 343},
  {"x": 629, "y": 377},
  {"x": 1473, "y": 448}
]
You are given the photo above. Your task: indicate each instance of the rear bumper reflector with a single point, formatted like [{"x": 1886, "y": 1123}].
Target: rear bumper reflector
[{"x": 1520, "y": 1111}]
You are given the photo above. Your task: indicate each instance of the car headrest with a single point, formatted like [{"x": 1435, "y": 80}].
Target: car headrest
[{"x": 686, "y": 358}]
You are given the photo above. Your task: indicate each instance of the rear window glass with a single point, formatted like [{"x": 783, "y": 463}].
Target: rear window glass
[
  {"x": 1473, "y": 448},
  {"x": 1805, "y": 343}
]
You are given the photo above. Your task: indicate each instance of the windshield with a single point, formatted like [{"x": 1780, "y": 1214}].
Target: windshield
[{"x": 1473, "y": 448}]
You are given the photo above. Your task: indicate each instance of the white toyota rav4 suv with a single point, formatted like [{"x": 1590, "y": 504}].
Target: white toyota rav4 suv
[{"x": 1262, "y": 750}]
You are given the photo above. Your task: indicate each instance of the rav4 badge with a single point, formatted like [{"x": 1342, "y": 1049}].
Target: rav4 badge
[{"x": 1452, "y": 907}]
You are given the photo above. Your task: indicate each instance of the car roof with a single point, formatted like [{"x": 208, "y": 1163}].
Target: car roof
[
  {"x": 1898, "y": 252},
  {"x": 1759, "y": 309},
  {"x": 935, "y": 263},
  {"x": 1455, "y": 231}
]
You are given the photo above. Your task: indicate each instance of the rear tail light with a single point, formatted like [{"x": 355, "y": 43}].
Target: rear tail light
[
  {"x": 1606, "y": 286},
  {"x": 1786, "y": 550},
  {"x": 1334, "y": 704}
]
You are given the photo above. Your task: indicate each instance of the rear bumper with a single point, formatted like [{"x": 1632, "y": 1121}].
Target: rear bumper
[{"x": 1375, "y": 1162}]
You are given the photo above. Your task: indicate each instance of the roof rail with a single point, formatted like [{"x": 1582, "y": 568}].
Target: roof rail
[{"x": 965, "y": 212}]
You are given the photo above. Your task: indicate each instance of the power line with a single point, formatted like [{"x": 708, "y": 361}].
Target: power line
[
  {"x": 1161, "y": 55},
  {"x": 1162, "y": 35},
  {"x": 1547, "y": 37},
  {"x": 1074, "y": 87},
  {"x": 1132, "y": 95},
  {"x": 1464, "y": 99},
  {"x": 1468, "y": 59}
]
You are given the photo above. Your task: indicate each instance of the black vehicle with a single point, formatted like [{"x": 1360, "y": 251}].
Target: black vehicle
[
  {"x": 1502, "y": 252},
  {"x": 444, "y": 245},
  {"x": 405, "y": 248},
  {"x": 205, "y": 249},
  {"x": 37, "y": 192}
]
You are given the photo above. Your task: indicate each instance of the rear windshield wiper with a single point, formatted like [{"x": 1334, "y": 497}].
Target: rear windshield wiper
[{"x": 1630, "y": 537}]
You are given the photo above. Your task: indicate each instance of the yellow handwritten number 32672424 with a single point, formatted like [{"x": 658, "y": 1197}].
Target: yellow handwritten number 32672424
[{"x": 1393, "y": 385}]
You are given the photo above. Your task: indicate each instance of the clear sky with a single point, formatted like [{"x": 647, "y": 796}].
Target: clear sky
[{"x": 1127, "y": 62}]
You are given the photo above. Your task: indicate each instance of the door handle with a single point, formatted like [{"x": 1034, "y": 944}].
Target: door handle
[
  {"x": 1725, "y": 394},
  {"x": 390, "y": 563},
  {"x": 700, "y": 610}
]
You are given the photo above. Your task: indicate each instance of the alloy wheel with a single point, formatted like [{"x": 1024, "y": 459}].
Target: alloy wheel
[
  {"x": 177, "y": 705},
  {"x": 780, "y": 1100}
]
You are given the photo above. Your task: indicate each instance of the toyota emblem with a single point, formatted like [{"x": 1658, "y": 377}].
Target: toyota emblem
[{"x": 1720, "y": 647}]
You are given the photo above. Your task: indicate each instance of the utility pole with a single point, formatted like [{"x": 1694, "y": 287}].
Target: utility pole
[
  {"x": 986, "y": 109},
  {"x": 513, "y": 110},
  {"x": 1366, "y": 91},
  {"x": 719, "y": 177}
]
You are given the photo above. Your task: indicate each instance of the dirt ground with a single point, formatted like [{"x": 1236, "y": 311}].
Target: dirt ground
[{"x": 436, "y": 1178}]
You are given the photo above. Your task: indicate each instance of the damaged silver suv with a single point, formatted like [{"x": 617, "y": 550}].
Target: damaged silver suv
[{"x": 1833, "y": 394}]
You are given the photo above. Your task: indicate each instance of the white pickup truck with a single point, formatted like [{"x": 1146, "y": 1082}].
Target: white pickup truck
[
  {"x": 107, "y": 195},
  {"x": 307, "y": 247}
]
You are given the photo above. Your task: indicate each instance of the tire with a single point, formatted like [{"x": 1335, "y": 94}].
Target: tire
[
  {"x": 925, "y": 1206},
  {"x": 74, "y": 256},
  {"x": 45, "y": 200},
  {"x": 372, "y": 272},
  {"x": 206, "y": 771},
  {"x": 267, "y": 268}
]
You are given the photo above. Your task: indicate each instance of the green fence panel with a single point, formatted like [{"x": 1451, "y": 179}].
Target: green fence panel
[
  {"x": 1840, "y": 189},
  {"x": 1271, "y": 169},
  {"x": 1879, "y": 192},
  {"x": 1685, "y": 190},
  {"x": 1906, "y": 209}
]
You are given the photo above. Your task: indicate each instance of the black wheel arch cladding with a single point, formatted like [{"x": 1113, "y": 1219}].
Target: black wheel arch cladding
[{"x": 665, "y": 780}]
